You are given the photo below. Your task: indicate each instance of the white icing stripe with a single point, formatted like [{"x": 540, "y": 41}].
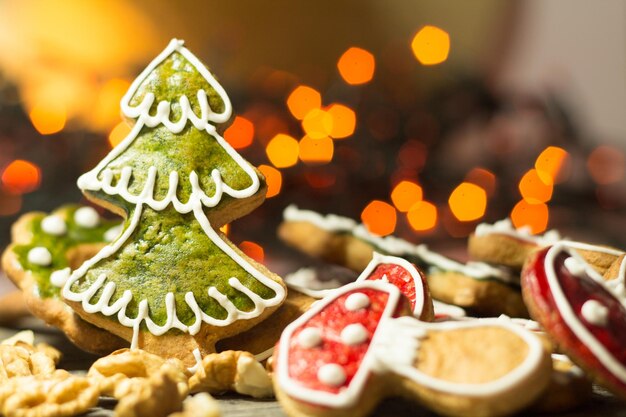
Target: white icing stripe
[
  {"x": 569, "y": 316},
  {"x": 397, "y": 246},
  {"x": 505, "y": 227},
  {"x": 448, "y": 310},
  {"x": 350, "y": 394},
  {"x": 201, "y": 122},
  {"x": 198, "y": 357},
  {"x": 264, "y": 355},
  {"x": 378, "y": 259}
]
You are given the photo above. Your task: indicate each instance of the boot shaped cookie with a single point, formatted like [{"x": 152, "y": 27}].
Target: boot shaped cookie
[{"x": 358, "y": 346}]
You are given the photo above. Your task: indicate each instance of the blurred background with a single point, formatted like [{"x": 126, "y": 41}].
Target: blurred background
[{"x": 422, "y": 118}]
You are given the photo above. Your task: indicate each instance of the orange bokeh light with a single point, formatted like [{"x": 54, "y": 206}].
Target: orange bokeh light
[
  {"x": 343, "y": 121},
  {"x": 550, "y": 162},
  {"x": 107, "y": 108},
  {"x": 253, "y": 250},
  {"x": 379, "y": 218},
  {"x": 356, "y": 66},
  {"x": 48, "y": 117},
  {"x": 240, "y": 133},
  {"x": 273, "y": 179},
  {"x": 533, "y": 215},
  {"x": 536, "y": 188},
  {"x": 405, "y": 195},
  {"x": 316, "y": 151},
  {"x": 422, "y": 216},
  {"x": 282, "y": 151},
  {"x": 606, "y": 164},
  {"x": 118, "y": 133},
  {"x": 317, "y": 124},
  {"x": 21, "y": 177},
  {"x": 302, "y": 100},
  {"x": 468, "y": 202},
  {"x": 431, "y": 45},
  {"x": 483, "y": 178}
]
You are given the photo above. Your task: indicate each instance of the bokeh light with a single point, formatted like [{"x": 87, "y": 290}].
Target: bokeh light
[
  {"x": 343, "y": 121},
  {"x": 550, "y": 162},
  {"x": 118, "y": 133},
  {"x": 356, "y": 66},
  {"x": 431, "y": 45},
  {"x": 253, "y": 250},
  {"x": 379, "y": 218},
  {"x": 535, "y": 188},
  {"x": 317, "y": 124},
  {"x": 48, "y": 117},
  {"x": 405, "y": 195},
  {"x": 273, "y": 179},
  {"x": 316, "y": 151},
  {"x": 21, "y": 177},
  {"x": 240, "y": 133},
  {"x": 483, "y": 178},
  {"x": 282, "y": 151},
  {"x": 468, "y": 202},
  {"x": 225, "y": 229},
  {"x": 422, "y": 216},
  {"x": 534, "y": 216},
  {"x": 606, "y": 164},
  {"x": 302, "y": 100},
  {"x": 107, "y": 109}
]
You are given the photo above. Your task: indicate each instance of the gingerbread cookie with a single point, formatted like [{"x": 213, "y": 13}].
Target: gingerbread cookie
[
  {"x": 171, "y": 283},
  {"x": 358, "y": 346},
  {"x": 45, "y": 249},
  {"x": 501, "y": 243},
  {"x": 585, "y": 317},
  {"x": 396, "y": 271},
  {"x": 484, "y": 289}
]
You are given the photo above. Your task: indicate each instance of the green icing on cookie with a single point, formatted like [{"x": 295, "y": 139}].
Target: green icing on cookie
[
  {"x": 58, "y": 246},
  {"x": 173, "y": 78},
  {"x": 169, "y": 252}
]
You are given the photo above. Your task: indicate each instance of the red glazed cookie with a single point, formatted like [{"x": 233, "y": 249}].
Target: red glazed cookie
[
  {"x": 358, "y": 346},
  {"x": 574, "y": 305}
]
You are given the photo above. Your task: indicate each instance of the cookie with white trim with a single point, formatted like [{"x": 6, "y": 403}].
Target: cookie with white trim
[
  {"x": 44, "y": 249},
  {"x": 586, "y": 318},
  {"x": 171, "y": 283},
  {"x": 358, "y": 346},
  {"x": 261, "y": 339},
  {"x": 484, "y": 289},
  {"x": 503, "y": 244}
]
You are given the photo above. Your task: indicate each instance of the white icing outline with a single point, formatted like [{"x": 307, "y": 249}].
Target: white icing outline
[
  {"x": 394, "y": 246},
  {"x": 197, "y": 200},
  {"x": 505, "y": 227},
  {"x": 605, "y": 357},
  {"x": 393, "y": 348}
]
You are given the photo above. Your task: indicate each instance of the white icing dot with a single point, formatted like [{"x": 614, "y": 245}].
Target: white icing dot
[
  {"x": 40, "y": 256},
  {"x": 357, "y": 301},
  {"x": 310, "y": 337},
  {"x": 331, "y": 374},
  {"x": 595, "y": 313},
  {"x": 112, "y": 234},
  {"x": 575, "y": 266},
  {"x": 54, "y": 225},
  {"x": 354, "y": 334},
  {"x": 60, "y": 277},
  {"x": 87, "y": 217}
]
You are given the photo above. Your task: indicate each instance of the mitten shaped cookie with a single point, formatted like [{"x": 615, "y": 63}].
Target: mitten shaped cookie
[
  {"x": 171, "y": 283},
  {"x": 44, "y": 249},
  {"x": 359, "y": 345}
]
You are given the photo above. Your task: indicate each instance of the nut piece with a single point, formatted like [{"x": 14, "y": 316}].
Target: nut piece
[
  {"x": 134, "y": 365},
  {"x": 232, "y": 371},
  {"x": 200, "y": 405},
  {"x": 157, "y": 396},
  {"x": 58, "y": 394}
]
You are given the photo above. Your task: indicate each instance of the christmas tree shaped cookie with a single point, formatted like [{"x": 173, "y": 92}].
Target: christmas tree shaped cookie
[{"x": 172, "y": 283}]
